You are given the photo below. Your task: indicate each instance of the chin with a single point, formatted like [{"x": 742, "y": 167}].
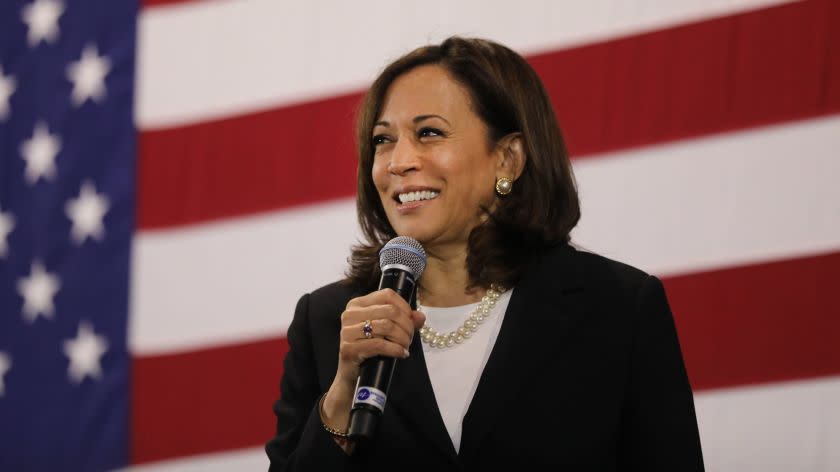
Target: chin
[
  {"x": 416, "y": 234},
  {"x": 420, "y": 232}
]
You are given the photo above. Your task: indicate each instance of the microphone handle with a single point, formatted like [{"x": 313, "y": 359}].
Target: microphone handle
[{"x": 376, "y": 372}]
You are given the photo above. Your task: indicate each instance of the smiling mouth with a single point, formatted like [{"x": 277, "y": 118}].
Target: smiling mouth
[{"x": 417, "y": 196}]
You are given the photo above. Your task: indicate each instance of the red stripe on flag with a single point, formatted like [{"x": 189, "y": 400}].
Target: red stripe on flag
[
  {"x": 173, "y": 394},
  {"x": 275, "y": 159},
  {"x": 753, "y": 324},
  {"x": 725, "y": 74},
  {"x": 730, "y": 73},
  {"x": 759, "y": 323}
]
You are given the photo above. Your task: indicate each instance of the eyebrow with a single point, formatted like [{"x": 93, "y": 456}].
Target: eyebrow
[{"x": 416, "y": 120}]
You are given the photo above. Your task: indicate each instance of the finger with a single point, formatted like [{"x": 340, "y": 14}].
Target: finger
[
  {"x": 395, "y": 320},
  {"x": 358, "y": 351},
  {"x": 381, "y": 328},
  {"x": 418, "y": 319},
  {"x": 390, "y": 330},
  {"x": 386, "y": 296},
  {"x": 355, "y": 315}
]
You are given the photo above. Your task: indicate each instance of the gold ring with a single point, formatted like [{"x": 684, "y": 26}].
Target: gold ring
[{"x": 367, "y": 330}]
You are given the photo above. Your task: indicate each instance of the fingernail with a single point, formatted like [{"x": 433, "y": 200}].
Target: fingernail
[{"x": 405, "y": 352}]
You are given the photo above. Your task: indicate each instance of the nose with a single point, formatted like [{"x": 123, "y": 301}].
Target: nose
[{"x": 405, "y": 157}]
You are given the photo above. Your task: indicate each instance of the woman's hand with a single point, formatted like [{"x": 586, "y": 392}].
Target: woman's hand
[{"x": 392, "y": 326}]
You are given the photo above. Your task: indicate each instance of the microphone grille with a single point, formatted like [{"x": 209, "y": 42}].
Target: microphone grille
[{"x": 406, "y": 251}]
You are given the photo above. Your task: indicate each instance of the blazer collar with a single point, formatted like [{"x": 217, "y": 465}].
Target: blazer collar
[{"x": 510, "y": 364}]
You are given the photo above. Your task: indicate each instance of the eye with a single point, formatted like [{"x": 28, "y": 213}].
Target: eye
[
  {"x": 380, "y": 139},
  {"x": 429, "y": 132}
]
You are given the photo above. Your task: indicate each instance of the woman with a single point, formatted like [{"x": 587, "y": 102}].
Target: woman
[{"x": 577, "y": 363}]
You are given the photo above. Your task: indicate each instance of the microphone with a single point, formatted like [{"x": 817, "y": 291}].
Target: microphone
[{"x": 402, "y": 261}]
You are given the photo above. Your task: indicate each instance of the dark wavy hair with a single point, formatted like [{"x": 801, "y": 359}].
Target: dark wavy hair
[{"x": 508, "y": 96}]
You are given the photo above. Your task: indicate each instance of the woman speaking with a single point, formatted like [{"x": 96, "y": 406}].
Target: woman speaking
[{"x": 515, "y": 348}]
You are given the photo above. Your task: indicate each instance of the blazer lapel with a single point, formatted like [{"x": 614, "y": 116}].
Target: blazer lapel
[
  {"x": 412, "y": 396},
  {"x": 414, "y": 399},
  {"x": 511, "y": 364}
]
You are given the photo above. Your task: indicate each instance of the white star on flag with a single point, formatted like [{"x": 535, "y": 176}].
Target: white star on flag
[
  {"x": 7, "y": 88},
  {"x": 7, "y": 224},
  {"x": 85, "y": 353},
  {"x": 41, "y": 16},
  {"x": 5, "y": 365},
  {"x": 39, "y": 153},
  {"x": 38, "y": 291},
  {"x": 88, "y": 76},
  {"x": 86, "y": 212}
]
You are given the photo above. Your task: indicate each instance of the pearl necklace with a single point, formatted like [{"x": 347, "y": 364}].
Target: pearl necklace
[{"x": 479, "y": 314}]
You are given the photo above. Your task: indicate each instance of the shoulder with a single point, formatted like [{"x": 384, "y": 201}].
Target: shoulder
[
  {"x": 574, "y": 266},
  {"x": 600, "y": 266},
  {"x": 317, "y": 316},
  {"x": 335, "y": 291},
  {"x": 330, "y": 298}
]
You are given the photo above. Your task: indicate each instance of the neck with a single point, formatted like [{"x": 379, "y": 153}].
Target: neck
[{"x": 445, "y": 279}]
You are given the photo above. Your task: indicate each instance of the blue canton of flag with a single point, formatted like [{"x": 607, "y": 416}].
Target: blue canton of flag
[{"x": 67, "y": 165}]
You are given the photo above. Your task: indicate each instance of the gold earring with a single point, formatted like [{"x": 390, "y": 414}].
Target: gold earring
[{"x": 503, "y": 186}]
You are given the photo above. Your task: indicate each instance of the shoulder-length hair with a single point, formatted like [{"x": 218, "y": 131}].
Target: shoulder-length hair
[{"x": 508, "y": 96}]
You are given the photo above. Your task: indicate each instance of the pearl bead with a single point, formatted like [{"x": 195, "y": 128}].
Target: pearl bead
[{"x": 437, "y": 339}]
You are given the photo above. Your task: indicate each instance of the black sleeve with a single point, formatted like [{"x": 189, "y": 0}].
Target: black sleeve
[
  {"x": 301, "y": 442},
  {"x": 659, "y": 431}
]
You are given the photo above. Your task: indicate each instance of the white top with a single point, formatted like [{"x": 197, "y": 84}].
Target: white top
[{"x": 455, "y": 371}]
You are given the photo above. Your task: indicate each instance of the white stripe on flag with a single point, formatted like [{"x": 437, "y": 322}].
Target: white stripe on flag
[
  {"x": 781, "y": 427},
  {"x": 236, "y": 279},
  {"x": 207, "y": 60},
  {"x": 715, "y": 202}
]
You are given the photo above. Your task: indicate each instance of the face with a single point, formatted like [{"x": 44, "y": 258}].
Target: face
[{"x": 433, "y": 166}]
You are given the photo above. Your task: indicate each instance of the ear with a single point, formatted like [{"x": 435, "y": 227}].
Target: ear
[{"x": 510, "y": 151}]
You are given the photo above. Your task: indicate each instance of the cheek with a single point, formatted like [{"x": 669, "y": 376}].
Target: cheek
[
  {"x": 478, "y": 178},
  {"x": 379, "y": 175}
]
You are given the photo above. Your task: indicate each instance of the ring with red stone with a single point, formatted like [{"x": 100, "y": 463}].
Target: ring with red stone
[{"x": 367, "y": 330}]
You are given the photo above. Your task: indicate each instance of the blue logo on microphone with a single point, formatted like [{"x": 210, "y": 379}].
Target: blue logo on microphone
[{"x": 363, "y": 394}]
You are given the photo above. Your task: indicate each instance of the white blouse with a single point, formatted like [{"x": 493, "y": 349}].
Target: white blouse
[{"x": 455, "y": 371}]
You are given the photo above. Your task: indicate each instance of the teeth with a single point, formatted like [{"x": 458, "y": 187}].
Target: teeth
[{"x": 419, "y": 195}]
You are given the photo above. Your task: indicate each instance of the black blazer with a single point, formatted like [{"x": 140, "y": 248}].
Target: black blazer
[{"x": 586, "y": 374}]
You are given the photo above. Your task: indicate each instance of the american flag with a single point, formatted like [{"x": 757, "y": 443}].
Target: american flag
[
  {"x": 176, "y": 173},
  {"x": 67, "y": 199}
]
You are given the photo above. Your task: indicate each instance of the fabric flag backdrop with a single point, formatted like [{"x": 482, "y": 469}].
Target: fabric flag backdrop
[{"x": 175, "y": 174}]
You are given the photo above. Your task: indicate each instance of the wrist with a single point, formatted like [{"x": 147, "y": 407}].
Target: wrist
[
  {"x": 338, "y": 435},
  {"x": 330, "y": 425},
  {"x": 335, "y": 406}
]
